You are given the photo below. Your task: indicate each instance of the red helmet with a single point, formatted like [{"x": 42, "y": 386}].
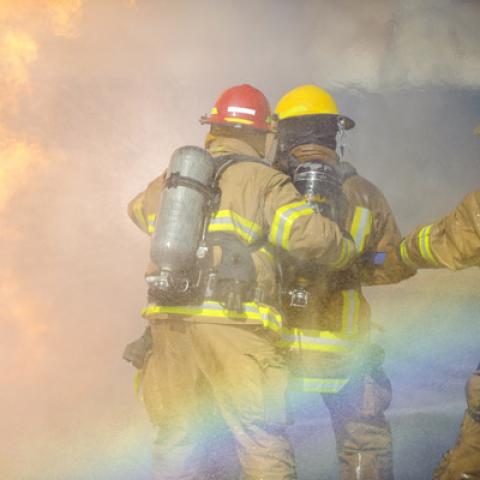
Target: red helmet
[{"x": 242, "y": 105}]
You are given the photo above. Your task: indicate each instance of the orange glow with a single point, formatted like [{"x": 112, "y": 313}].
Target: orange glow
[
  {"x": 25, "y": 321},
  {"x": 22, "y": 24},
  {"x": 18, "y": 159},
  {"x": 64, "y": 16},
  {"x": 17, "y": 52}
]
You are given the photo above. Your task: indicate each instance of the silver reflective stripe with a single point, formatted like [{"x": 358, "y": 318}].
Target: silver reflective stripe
[
  {"x": 247, "y": 233},
  {"x": 351, "y": 307},
  {"x": 303, "y": 339},
  {"x": 283, "y": 220},
  {"x": 317, "y": 385},
  {"x": 358, "y": 470},
  {"x": 361, "y": 226},
  {"x": 424, "y": 245}
]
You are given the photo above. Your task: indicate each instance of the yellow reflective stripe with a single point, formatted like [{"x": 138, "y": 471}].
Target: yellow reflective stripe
[
  {"x": 138, "y": 213},
  {"x": 229, "y": 221},
  {"x": 271, "y": 319},
  {"x": 350, "y": 311},
  {"x": 238, "y": 120},
  {"x": 284, "y": 219},
  {"x": 424, "y": 245},
  {"x": 264, "y": 314},
  {"x": 405, "y": 256},
  {"x": 315, "y": 340},
  {"x": 345, "y": 254},
  {"x": 151, "y": 222},
  {"x": 317, "y": 385},
  {"x": 361, "y": 226},
  {"x": 269, "y": 254}
]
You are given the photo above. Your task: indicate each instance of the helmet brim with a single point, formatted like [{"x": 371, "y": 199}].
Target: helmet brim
[
  {"x": 209, "y": 120},
  {"x": 347, "y": 122}
]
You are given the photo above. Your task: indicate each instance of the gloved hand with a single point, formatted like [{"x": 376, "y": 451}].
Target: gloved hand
[
  {"x": 136, "y": 351},
  {"x": 395, "y": 266}
]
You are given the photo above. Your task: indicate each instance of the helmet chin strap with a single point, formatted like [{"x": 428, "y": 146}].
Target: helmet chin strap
[
  {"x": 341, "y": 136},
  {"x": 271, "y": 147}
]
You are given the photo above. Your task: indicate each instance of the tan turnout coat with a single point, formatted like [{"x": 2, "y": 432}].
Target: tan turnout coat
[
  {"x": 330, "y": 336},
  {"x": 451, "y": 242},
  {"x": 257, "y": 202}
]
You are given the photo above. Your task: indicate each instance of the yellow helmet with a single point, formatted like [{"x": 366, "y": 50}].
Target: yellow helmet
[{"x": 309, "y": 100}]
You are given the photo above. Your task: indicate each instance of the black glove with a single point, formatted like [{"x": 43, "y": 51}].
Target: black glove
[{"x": 136, "y": 351}]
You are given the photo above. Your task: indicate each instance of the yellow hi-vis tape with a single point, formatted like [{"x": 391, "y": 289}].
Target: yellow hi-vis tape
[
  {"x": 404, "y": 255},
  {"x": 229, "y": 221},
  {"x": 284, "y": 219},
  {"x": 138, "y": 213},
  {"x": 268, "y": 316},
  {"x": 316, "y": 385},
  {"x": 424, "y": 245},
  {"x": 151, "y": 223},
  {"x": 361, "y": 227},
  {"x": 315, "y": 340},
  {"x": 345, "y": 254},
  {"x": 350, "y": 311}
]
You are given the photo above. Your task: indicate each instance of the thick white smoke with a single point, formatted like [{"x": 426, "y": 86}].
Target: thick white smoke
[{"x": 97, "y": 94}]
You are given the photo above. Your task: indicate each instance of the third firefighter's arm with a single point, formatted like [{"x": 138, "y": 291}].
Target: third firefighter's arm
[
  {"x": 384, "y": 239},
  {"x": 297, "y": 228},
  {"x": 452, "y": 242}
]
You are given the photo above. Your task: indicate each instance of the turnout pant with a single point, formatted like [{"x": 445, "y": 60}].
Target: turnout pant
[
  {"x": 362, "y": 433},
  {"x": 463, "y": 460},
  {"x": 197, "y": 368}
]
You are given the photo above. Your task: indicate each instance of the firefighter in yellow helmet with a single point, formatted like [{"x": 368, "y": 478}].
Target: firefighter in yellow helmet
[
  {"x": 218, "y": 352},
  {"x": 328, "y": 316},
  {"x": 453, "y": 242}
]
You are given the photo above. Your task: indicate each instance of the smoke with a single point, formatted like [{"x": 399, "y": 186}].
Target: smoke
[
  {"x": 392, "y": 45},
  {"x": 94, "y": 97}
]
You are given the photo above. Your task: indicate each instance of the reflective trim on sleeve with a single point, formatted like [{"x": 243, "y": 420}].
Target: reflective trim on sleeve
[
  {"x": 229, "y": 221},
  {"x": 151, "y": 223},
  {"x": 267, "y": 250},
  {"x": 137, "y": 210},
  {"x": 316, "y": 340},
  {"x": 284, "y": 219},
  {"x": 361, "y": 226},
  {"x": 316, "y": 385},
  {"x": 350, "y": 311},
  {"x": 424, "y": 245},
  {"x": 405, "y": 256},
  {"x": 268, "y": 316},
  {"x": 345, "y": 254}
]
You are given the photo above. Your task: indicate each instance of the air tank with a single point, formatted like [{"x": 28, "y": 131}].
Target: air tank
[
  {"x": 321, "y": 186},
  {"x": 181, "y": 219}
]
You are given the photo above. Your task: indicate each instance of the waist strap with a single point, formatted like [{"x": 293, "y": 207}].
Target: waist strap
[{"x": 266, "y": 315}]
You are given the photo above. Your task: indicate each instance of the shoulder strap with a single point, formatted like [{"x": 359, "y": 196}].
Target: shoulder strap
[
  {"x": 226, "y": 161},
  {"x": 223, "y": 162}
]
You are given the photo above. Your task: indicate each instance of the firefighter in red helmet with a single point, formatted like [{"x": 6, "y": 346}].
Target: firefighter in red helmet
[{"x": 219, "y": 353}]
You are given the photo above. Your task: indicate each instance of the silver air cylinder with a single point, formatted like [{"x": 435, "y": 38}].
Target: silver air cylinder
[{"x": 180, "y": 219}]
